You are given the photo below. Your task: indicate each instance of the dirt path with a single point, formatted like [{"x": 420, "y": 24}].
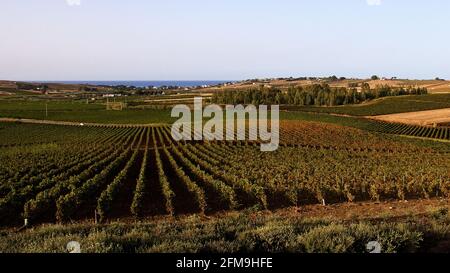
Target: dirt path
[
  {"x": 71, "y": 123},
  {"x": 424, "y": 118},
  {"x": 370, "y": 210}
]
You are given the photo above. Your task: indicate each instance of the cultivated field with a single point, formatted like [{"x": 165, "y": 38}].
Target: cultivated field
[
  {"x": 80, "y": 111},
  {"x": 425, "y": 118},
  {"x": 56, "y": 173},
  {"x": 338, "y": 180}
]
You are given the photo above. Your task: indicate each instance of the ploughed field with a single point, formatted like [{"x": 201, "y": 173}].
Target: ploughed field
[
  {"x": 439, "y": 117},
  {"x": 53, "y": 173}
]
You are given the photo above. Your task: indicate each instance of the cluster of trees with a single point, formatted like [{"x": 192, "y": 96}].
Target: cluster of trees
[
  {"x": 87, "y": 89},
  {"x": 27, "y": 86},
  {"x": 317, "y": 94}
]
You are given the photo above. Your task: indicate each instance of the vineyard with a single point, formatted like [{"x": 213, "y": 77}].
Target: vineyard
[
  {"x": 394, "y": 128},
  {"x": 51, "y": 173},
  {"x": 441, "y": 133}
]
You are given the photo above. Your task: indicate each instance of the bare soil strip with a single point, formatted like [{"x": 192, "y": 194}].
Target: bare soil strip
[{"x": 370, "y": 210}]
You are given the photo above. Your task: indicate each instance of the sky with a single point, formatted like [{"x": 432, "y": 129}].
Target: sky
[{"x": 223, "y": 39}]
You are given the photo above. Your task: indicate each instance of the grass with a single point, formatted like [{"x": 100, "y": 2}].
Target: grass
[
  {"x": 385, "y": 106},
  {"x": 245, "y": 232}
]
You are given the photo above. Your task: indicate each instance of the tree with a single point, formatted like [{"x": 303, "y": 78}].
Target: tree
[
  {"x": 375, "y": 77},
  {"x": 316, "y": 94}
]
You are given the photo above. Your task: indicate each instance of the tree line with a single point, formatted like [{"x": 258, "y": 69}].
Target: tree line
[{"x": 312, "y": 95}]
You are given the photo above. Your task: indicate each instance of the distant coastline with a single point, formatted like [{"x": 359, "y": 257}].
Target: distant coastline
[{"x": 142, "y": 83}]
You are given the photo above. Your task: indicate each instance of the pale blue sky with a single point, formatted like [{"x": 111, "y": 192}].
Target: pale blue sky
[{"x": 222, "y": 39}]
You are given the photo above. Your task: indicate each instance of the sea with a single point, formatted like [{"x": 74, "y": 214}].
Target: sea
[{"x": 145, "y": 83}]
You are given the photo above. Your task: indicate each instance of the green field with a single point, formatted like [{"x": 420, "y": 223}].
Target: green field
[{"x": 81, "y": 112}]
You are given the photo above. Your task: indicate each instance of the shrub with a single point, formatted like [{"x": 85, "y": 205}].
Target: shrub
[{"x": 272, "y": 237}]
